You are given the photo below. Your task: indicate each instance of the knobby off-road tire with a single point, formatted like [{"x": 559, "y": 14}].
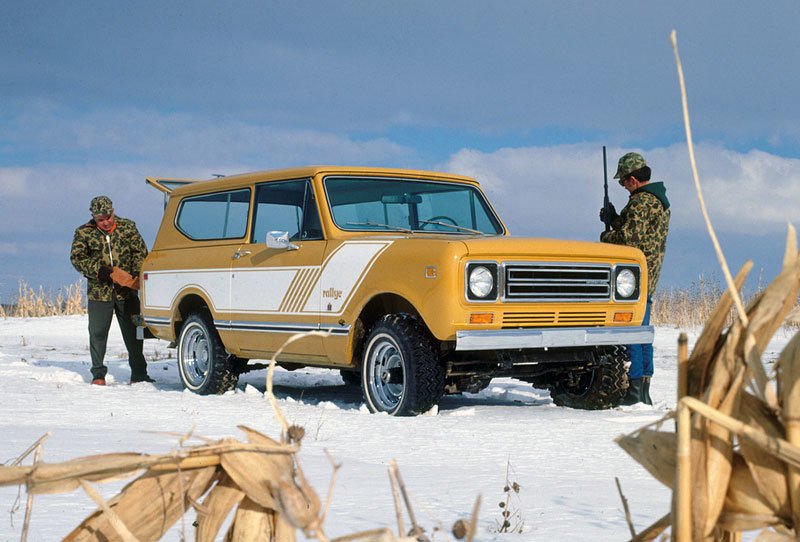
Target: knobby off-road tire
[
  {"x": 400, "y": 371},
  {"x": 202, "y": 360},
  {"x": 602, "y": 388}
]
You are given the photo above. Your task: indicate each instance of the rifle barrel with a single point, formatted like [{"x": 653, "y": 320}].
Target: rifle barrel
[{"x": 606, "y": 201}]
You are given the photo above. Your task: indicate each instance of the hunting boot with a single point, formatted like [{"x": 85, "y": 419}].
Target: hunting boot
[
  {"x": 646, "y": 390},
  {"x": 634, "y": 394}
]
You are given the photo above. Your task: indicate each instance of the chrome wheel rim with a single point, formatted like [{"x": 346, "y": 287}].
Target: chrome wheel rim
[
  {"x": 385, "y": 374},
  {"x": 195, "y": 355}
]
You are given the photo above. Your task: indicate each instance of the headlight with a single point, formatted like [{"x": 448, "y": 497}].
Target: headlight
[
  {"x": 625, "y": 283},
  {"x": 481, "y": 281}
]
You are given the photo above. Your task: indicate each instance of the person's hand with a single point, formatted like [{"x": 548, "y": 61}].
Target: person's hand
[
  {"x": 123, "y": 278},
  {"x": 612, "y": 214},
  {"x": 104, "y": 274}
]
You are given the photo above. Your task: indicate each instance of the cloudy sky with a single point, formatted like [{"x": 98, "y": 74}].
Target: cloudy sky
[{"x": 96, "y": 95}]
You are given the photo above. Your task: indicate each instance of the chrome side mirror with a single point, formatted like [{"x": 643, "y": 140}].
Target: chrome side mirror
[{"x": 280, "y": 239}]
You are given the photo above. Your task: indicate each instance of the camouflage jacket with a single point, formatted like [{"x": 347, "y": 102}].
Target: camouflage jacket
[
  {"x": 644, "y": 223},
  {"x": 93, "y": 248}
]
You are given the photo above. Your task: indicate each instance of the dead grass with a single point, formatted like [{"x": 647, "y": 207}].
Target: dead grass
[
  {"x": 686, "y": 307},
  {"x": 691, "y": 307},
  {"x": 31, "y": 303}
]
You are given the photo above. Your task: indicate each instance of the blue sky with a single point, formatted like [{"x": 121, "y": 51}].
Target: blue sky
[{"x": 521, "y": 94}]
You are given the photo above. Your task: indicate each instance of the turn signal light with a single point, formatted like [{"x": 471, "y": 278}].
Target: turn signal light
[
  {"x": 481, "y": 318},
  {"x": 623, "y": 316}
]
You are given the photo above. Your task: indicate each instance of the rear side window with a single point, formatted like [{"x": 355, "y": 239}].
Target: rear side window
[{"x": 215, "y": 216}]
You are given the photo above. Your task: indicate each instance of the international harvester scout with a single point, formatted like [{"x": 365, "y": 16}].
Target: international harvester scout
[{"x": 413, "y": 277}]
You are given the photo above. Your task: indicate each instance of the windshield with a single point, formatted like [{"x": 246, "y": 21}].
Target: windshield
[{"x": 408, "y": 205}]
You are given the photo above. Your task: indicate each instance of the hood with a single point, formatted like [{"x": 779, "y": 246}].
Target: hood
[
  {"x": 657, "y": 189},
  {"x": 536, "y": 248}
]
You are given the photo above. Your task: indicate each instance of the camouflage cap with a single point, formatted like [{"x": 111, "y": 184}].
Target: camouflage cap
[
  {"x": 628, "y": 163},
  {"x": 101, "y": 205}
]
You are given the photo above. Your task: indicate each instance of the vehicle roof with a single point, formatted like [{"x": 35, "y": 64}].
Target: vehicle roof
[{"x": 244, "y": 179}]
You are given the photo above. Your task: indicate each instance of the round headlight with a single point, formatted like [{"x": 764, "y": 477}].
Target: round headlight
[
  {"x": 481, "y": 281},
  {"x": 626, "y": 283}
]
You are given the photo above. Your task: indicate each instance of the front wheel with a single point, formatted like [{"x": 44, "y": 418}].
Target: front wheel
[
  {"x": 203, "y": 363},
  {"x": 400, "y": 372},
  {"x": 597, "y": 388}
]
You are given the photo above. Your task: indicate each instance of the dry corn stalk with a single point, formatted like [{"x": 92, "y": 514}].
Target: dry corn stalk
[
  {"x": 741, "y": 469},
  {"x": 228, "y": 472},
  {"x": 216, "y": 507},
  {"x": 789, "y": 394},
  {"x": 148, "y": 506}
]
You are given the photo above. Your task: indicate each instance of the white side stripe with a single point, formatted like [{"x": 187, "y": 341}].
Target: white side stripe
[
  {"x": 342, "y": 274},
  {"x": 303, "y": 290}
]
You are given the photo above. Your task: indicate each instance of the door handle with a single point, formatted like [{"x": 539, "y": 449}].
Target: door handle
[{"x": 239, "y": 253}]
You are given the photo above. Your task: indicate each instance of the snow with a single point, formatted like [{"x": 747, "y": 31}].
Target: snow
[{"x": 565, "y": 460}]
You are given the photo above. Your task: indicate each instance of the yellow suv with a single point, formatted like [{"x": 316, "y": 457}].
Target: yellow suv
[{"x": 412, "y": 275}]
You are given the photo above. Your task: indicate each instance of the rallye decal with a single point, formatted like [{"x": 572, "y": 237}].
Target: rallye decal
[
  {"x": 303, "y": 290},
  {"x": 341, "y": 275}
]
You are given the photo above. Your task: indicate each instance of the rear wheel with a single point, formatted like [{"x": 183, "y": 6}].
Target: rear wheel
[
  {"x": 598, "y": 388},
  {"x": 203, "y": 363},
  {"x": 400, "y": 372}
]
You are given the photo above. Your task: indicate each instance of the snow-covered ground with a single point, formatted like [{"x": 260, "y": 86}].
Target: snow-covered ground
[{"x": 564, "y": 460}]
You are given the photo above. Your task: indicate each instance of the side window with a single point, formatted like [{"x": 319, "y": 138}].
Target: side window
[
  {"x": 286, "y": 206},
  {"x": 215, "y": 216}
]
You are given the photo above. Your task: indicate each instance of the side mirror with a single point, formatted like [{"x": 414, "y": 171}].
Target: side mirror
[{"x": 280, "y": 239}]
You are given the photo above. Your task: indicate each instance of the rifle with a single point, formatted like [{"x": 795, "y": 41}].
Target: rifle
[{"x": 606, "y": 202}]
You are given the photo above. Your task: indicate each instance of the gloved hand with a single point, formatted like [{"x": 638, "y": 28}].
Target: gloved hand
[
  {"x": 612, "y": 214},
  {"x": 123, "y": 278},
  {"x": 104, "y": 274}
]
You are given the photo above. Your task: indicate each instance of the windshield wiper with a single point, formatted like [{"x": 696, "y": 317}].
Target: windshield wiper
[
  {"x": 459, "y": 228},
  {"x": 389, "y": 227}
]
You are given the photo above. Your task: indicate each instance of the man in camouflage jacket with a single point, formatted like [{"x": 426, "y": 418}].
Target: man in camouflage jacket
[
  {"x": 109, "y": 251},
  {"x": 643, "y": 223}
]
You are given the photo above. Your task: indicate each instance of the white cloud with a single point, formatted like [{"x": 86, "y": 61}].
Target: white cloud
[{"x": 557, "y": 191}]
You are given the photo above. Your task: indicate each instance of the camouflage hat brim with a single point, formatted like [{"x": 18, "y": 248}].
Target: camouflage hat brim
[{"x": 101, "y": 205}]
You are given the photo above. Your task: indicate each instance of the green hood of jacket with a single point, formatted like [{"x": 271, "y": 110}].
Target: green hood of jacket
[{"x": 657, "y": 189}]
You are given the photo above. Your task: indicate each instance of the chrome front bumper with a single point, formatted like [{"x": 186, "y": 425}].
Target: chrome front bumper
[{"x": 552, "y": 337}]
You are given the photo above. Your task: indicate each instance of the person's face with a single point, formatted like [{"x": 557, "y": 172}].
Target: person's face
[
  {"x": 628, "y": 183},
  {"x": 105, "y": 222}
]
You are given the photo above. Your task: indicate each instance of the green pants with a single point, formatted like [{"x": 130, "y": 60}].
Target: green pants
[{"x": 100, "y": 313}]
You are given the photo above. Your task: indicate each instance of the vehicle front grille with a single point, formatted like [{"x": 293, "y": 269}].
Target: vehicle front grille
[
  {"x": 543, "y": 281},
  {"x": 551, "y": 318}
]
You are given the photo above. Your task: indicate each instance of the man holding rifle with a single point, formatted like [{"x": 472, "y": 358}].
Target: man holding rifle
[{"x": 643, "y": 223}]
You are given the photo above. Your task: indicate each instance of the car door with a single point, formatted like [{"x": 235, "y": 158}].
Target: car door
[
  {"x": 209, "y": 228},
  {"x": 271, "y": 287}
]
